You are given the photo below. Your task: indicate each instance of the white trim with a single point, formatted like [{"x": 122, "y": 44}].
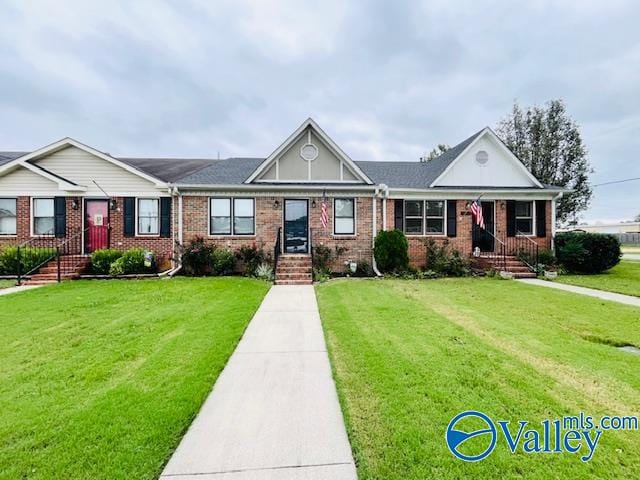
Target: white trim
[
  {"x": 232, "y": 234},
  {"x": 32, "y": 218},
  {"x": 11, "y": 235},
  {"x": 309, "y": 122},
  {"x": 70, "y": 142},
  {"x": 135, "y": 216},
  {"x": 533, "y": 219},
  {"x": 509, "y": 153},
  {"x": 284, "y": 233},
  {"x": 355, "y": 217},
  {"x": 424, "y": 217}
]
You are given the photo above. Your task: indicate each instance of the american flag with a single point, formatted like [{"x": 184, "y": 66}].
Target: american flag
[
  {"x": 324, "y": 215},
  {"x": 476, "y": 211}
]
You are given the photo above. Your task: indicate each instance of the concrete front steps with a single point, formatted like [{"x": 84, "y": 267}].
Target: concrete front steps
[
  {"x": 294, "y": 270},
  {"x": 71, "y": 266},
  {"x": 512, "y": 264}
]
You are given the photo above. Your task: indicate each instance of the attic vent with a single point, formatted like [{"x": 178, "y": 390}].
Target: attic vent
[
  {"x": 482, "y": 157},
  {"x": 309, "y": 152}
]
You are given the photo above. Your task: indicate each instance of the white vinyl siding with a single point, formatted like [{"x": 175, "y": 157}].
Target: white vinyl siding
[
  {"x": 25, "y": 182},
  {"x": 8, "y": 216}
]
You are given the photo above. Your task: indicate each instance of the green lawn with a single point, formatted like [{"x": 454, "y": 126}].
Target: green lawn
[
  {"x": 410, "y": 355},
  {"x": 7, "y": 283},
  {"x": 100, "y": 379},
  {"x": 623, "y": 278}
]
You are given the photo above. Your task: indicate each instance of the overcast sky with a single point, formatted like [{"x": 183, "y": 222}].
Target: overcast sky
[{"x": 387, "y": 80}]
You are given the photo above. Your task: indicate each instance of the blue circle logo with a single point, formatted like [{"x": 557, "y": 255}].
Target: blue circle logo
[{"x": 457, "y": 435}]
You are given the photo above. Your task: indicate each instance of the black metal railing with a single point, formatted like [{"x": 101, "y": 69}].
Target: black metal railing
[
  {"x": 69, "y": 252},
  {"x": 499, "y": 253},
  {"x": 277, "y": 249},
  {"x": 311, "y": 247},
  {"x": 36, "y": 252},
  {"x": 525, "y": 249}
]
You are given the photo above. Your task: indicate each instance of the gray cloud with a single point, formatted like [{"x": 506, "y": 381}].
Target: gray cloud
[{"x": 386, "y": 80}]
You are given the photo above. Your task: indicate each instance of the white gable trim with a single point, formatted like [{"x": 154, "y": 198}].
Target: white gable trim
[
  {"x": 309, "y": 122},
  {"x": 70, "y": 142},
  {"x": 505, "y": 149},
  {"x": 60, "y": 181}
]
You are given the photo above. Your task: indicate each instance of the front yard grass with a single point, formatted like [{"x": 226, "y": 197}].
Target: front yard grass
[
  {"x": 7, "y": 284},
  {"x": 100, "y": 379},
  {"x": 410, "y": 355},
  {"x": 623, "y": 278}
]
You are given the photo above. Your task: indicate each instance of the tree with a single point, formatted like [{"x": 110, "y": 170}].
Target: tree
[
  {"x": 637, "y": 218},
  {"x": 548, "y": 142},
  {"x": 439, "y": 150}
]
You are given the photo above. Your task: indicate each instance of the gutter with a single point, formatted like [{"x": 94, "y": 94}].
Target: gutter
[
  {"x": 374, "y": 232},
  {"x": 278, "y": 187}
]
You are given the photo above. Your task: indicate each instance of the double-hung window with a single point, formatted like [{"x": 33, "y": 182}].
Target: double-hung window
[
  {"x": 232, "y": 216},
  {"x": 43, "y": 216},
  {"x": 148, "y": 216},
  {"x": 435, "y": 217},
  {"x": 413, "y": 217},
  {"x": 344, "y": 217},
  {"x": 8, "y": 209},
  {"x": 524, "y": 218}
]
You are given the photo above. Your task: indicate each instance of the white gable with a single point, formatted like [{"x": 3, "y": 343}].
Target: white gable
[
  {"x": 22, "y": 180},
  {"x": 486, "y": 162},
  {"x": 308, "y": 156},
  {"x": 83, "y": 168}
]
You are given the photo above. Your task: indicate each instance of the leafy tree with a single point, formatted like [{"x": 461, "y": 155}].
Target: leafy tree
[
  {"x": 439, "y": 150},
  {"x": 637, "y": 218},
  {"x": 548, "y": 142}
]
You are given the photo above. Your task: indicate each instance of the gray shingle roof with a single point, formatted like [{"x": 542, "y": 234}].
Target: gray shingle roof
[
  {"x": 168, "y": 169},
  {"x": 231, "y": 171},
  {"x": 8, "y": 156}
]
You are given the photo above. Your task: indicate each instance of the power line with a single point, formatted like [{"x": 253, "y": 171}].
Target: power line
[{"x": 617, "y": 181}]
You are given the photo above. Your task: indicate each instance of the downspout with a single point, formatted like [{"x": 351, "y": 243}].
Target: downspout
[
  {"x": 385, "y": 195},
  {"x": 176, "y": 268},
  {"x": 374, "y": 232}
]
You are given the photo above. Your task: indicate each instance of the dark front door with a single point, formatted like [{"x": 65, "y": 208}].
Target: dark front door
[
  {"x": 96, "y": 223},
  {"x": 485, "y": 238},
  {"x": 296, "y": 226}
]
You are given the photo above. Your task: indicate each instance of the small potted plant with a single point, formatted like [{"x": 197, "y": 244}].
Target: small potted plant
[
  {"x": 550, "y": 272},
  {"x": 505, "y": 274}
]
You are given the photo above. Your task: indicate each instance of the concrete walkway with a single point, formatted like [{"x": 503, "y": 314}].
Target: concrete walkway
[
  {"x": 614, "y": 297},
  {"x": 21, "y": 288},
  {"x": 274, "y": 412}
]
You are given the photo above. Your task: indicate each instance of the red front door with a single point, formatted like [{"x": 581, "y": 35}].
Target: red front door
[{"x": 96, "y": 218}]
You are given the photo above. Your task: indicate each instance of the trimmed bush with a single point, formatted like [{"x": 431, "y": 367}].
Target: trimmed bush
[
  {"x": 391, "y": 251},
  {"x": 30, "y": 259},
  {"x": 223, "y": 262},
  {"x": 581, "y": 252},
  {"x": 131, "y": 262},
  {"x": 101, "y": 260},
  {"x": 251, "y": 257},
  {"x": 197, "y": 257}
]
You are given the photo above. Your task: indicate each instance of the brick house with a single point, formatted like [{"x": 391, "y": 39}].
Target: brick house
[{"x": 69, "y": 190}]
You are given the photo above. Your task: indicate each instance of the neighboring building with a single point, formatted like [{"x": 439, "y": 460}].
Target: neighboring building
[
  {"x": 608, "y": 227},
  {"x": 69, "y": 189}
]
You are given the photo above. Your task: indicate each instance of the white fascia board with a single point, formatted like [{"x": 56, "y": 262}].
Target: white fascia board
[
  {"x": 70, "y": 142},
  {"x": 277, "y": 187},
  {"x": 309, "y": 122},
  {"x": 505, "y": 149},
  {"x": 472, "y": 194}
]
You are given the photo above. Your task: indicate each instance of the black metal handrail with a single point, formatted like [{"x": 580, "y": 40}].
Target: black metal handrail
[
  {"x": 311, "y": 247},
  {"x": 34, "y": 253},
  {"x": 499, "y": 253},
  {"x": 277, "y": 250},
  {"x": 525, "y": 249},
  {"x": 69, "y": 250}
]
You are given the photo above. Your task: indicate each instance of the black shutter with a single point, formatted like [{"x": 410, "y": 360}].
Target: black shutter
[
  {"x": 451, "y": 218},
  {"x": 399, "y": 214},
  {"x": 511, "y": 218},
  {"x": 165, "y": 216},
  {"x": 129, "y": 214},
  {"x": 60, "y": 216},
  {"x": 541, "y": 218}
]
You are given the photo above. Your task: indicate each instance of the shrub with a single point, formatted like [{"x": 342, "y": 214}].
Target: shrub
[
  {"x": 101, "y": 260},
  {"x": 444, "y": 261},
  {"x": 391, "y": 251},
  {"x": 251, "y": 257},
  {"x": 131, "y": 262},
  {"x": 30, "y": 258},
  {"x": 223, "y": 262},
  {"x": 363, "y": 270},
  {"x": 264, "y": 271},
  {"x": 322, "y": 257},
  {"x": 197, "y": 257},
  {"x": 117, "y": 268},
  {"x": 587, "y": 252}
]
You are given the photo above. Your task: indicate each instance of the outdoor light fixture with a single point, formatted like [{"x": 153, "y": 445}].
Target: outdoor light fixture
[
  {"x": 75, "y": 204},
  {"x": 313, "y": 204},
  {"x": 276, "y": 205},
  {"x": 113, "y": 204}
]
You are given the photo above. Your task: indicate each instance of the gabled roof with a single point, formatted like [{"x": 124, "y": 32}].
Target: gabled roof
[
  {"x": 308, "y": 123},
  {"x": 27, "y": 159},
  {"x": 230, "y": 171}
]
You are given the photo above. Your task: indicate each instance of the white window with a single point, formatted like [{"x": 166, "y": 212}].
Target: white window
[
  {"x": 232, "y": 216},
  {"x": 43, "y": 216},
  {"x": 8, "y": 209},
  {"x": 524, "y": 218},
  {"x": 435, "y": 217},
  {"x": 148, "y": 216},
  {"x": 243, "y": 216},
  {"x": 413, "y": 217},
  {"x": 344, "y": 218}
]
